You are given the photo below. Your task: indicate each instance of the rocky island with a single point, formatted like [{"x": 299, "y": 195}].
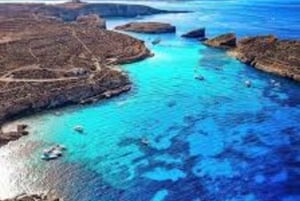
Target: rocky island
[
  {"x": 148, "y": 27},
  {"x": 197, "y": 33},
  {"x": 266, "y": 53},
  {"x": 225, "y": 41}
]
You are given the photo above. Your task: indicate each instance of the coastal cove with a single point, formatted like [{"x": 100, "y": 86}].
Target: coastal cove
[{"x": 211, "y": 140}]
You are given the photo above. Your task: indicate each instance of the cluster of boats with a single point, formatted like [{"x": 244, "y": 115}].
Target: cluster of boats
[
  {"x": 53, "y": 152},
  {"x": 274, "y": 83},
  {"x": 56, "y": 151},
  {"x": 248, "y": 83}
]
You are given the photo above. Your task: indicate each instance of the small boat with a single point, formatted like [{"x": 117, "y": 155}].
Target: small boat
[
  {"x": 53, "y": 152},
  {"x": 199, "y": 77},
  {"x": 48, "y": 150},
  {"x": 277, "y": 84},
  {"x": 145, "y": 141},
  {"x": 272, "y": 81},
  {"x": 61, "y": 147},
  {"x": 156, "y": 41},
  {"x": 48, "y": 157},
  {"x": 57, "y": 152},
  {"x": 79, "y": 129},
  {"x": 248, "y": 83}
]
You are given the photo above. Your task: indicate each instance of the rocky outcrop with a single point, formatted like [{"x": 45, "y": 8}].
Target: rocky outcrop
[
  {"x": 269, "y": 54},
  {"x": 5, "y": 137},
  {"x": 148, "y": 27},
  {"x": 91, "y": 20},
  {"x": 47, "y": 63},
  {"x": 266, "y": 53},
  {"x": 197, "y": 33},
  {"x": 70, "y": 11},
  {"x": 225, "y": 41},
  {"x": 36, "y": 197}
]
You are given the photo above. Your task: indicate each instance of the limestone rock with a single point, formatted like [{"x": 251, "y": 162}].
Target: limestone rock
[
  {"x": 269, "y": 54},
  {"x": 223, "y": 41},
  {"x": 197, "y": 33},
  {"x": 5, "y": 137},
  {"x": 266, "y": 53}
]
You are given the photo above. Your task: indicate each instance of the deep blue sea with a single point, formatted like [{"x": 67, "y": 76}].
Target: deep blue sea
[{"x": 212, "y": 140}]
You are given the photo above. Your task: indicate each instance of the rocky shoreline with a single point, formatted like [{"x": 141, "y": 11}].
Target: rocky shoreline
[
  {"x": 266, "y": 53},
  {"x": 47, "y": 63},
  {"x": 269, "y": 54},
  {"x": 6, "y": 137}
]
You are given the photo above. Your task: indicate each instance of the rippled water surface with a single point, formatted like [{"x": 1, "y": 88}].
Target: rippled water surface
[{"x": 212, "y": 140}]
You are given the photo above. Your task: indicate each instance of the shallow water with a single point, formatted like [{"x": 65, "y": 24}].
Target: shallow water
[{"x": 212, "y": 140}]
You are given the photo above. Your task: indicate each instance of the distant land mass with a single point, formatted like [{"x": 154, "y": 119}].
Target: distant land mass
[{"x": 70, "y": 11}]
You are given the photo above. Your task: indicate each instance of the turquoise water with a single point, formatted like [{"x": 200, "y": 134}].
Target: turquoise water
[{"x": 212, "y": 140}]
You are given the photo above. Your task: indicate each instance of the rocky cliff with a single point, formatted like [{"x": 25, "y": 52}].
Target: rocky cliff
[
  {"x": 197, "y": 33},
  {"x": 266, "y": 53}
]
